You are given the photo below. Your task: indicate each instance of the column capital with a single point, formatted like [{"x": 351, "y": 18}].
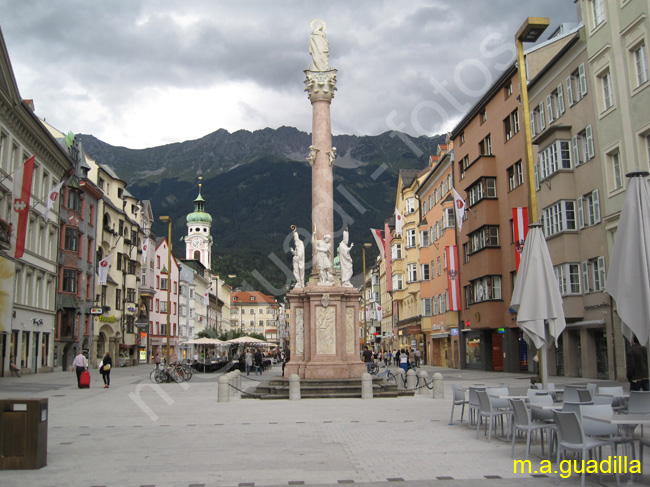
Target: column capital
[{"x": 320, "y": 85}]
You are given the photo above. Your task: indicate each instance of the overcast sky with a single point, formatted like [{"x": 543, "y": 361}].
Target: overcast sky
[{"x": 151, "y": 72}]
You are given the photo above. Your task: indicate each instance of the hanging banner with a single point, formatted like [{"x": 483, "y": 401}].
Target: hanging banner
[
  {"x": 453, "y": 280},
  {"x": 520, "y": 224}
]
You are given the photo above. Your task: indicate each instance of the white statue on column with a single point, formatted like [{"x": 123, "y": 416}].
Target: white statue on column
[
  {"x": 332, "y": 155},
  {"x": 298, "y": 260},
  {"x": 324, "y": 259},
  {"x": 319, "y": 48},
  {"x": 346, "y": 260}
]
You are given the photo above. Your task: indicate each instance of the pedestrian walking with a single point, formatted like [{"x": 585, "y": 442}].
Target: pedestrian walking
[
  {"x": 248, "y": 360},
  {"x": 388, "y": 359},
  {"x": 404, "y": 360},
  {"x": 107, "y": 364},
  {"x": 258, "y": 361},
  {"x": 13, "y": 367},
  {"x": 418, "y": 356},
  {"x": 637, "y": 367},
  {"x": 397, "y": 358},
  {"x": 412, "y": 359},
  {"x": 367, "y": 358},
  {"x": 80, "y": 364},
  {"x": 157, "y": 360},
  {"x": 286, "y": 357}
]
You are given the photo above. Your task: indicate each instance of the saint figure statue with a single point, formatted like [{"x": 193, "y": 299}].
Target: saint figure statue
[
  {"x": 324, "y": 259},
  {"x": 298, "y": 261},
  {"x": 345, "y": 260},
  {"x": 319, "y": 48}
]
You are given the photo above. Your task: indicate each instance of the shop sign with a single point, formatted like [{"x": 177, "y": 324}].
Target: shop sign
[
  {"x": 107, "y": 319},
  {"x": 95, "y": 311},
  {"x": 454, "y": 332},
  {"x": 413, "y": 330}
]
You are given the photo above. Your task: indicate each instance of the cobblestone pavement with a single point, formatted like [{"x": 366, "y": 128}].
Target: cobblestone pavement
[{"x": 140, "y": 434}]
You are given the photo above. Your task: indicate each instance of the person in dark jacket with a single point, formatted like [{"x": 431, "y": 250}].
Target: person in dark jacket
[
  {"x": 258, "y": 361},
  {"x": 637, "y": 367},
  {"x": 107, "y": 365}
]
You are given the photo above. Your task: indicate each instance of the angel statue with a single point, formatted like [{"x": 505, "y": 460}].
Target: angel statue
[
  {"x": 324, "y": 259},
  {"x": 298, "y": 260},
  {"x": 346, "y": 260}
]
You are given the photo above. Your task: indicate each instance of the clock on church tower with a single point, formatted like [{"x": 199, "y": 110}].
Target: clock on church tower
[{"x": 198, "y": 240}]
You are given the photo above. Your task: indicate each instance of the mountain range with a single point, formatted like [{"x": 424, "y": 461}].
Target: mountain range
[{"x": 257, "y": 184}]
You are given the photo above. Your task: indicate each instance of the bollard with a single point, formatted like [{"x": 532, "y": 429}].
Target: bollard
[
  {"x": 366, "y": 386},
  {"x": 223, "y": 389},
  {"x": 438, "y": 386},
  {"x": 294, "y": 388},
  {"x": 399, "y": 375},
  {"x": 423, "y": 376},
  {"x": 410, "y": 379},
  {"x": 231, "y": 378},
  {"x": 237, "y": 381}
]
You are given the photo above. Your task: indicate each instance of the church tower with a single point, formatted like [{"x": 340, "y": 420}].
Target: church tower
[{"x": 198, "y": 242}]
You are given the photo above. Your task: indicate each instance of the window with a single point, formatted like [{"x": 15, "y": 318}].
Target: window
[
  {"x": 598, "y": 12},
  {"x": 555, "y": 103},
  {"x": 508, "y": 89},
  {"x": 540, "y": 117},
  {"x": 439, "y": 266},
  {"x": 410, "y": 205},
  {"x": 583, "y": 146},
  {"x": 74, "y": 199},
  {"x": 412, "y": 272},
  {"x": 71, "y": 241},
  {"x": 484, "y": 116},
  {"x": 163, "y": 306},
  {"x": 641, "y": 64},
  {"x": 164, "y": 282},
  {"x": 449, "y": 218},
  {"x": 589, "y": 209},
  {"x": 485, "y": 188},
  {"x": 464, "y": 164},
  {"x": 555, "y": 157},
  {"x": 424, "y": 271},
  {"x": 69, "y": 284},
  {"x": 614, "y": 163},
  {"x": 487, "y": 236},
  {"x": 487, "y": 288},
  {"x": 559, "y": 217},
  {"x": 598, "y": 273},
  {"x": 485, "y": 146},
  {"x": 576, "y": 85},
  {"x": 426, "y": 307},
  {"x": 568, "y": 278},
  {"x": 511, "y": 124},
  {"x": 424, "y": 238},
  {"x": 118, "y": 299},
  {"x": 398, "y": 284},
  {"x": 396, "y": 251},
  {"x": 410, "y": 238},
  {"x": 515, "y": 175},
  {"x": 607, "y": 90}
]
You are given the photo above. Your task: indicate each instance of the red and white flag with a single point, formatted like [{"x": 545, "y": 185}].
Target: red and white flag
[
  {"x": 379, "y": 313},
  {"x": 389, "y": 257},
  {"x": 51, "y": 198},
  {"x": 520, "y": 224},
  {"x": 21, "y": 196},
  {"x": 379, "y": 240},
  {"x": 453, "y": 279},
  {"x": 206, "y": 296},
  {"x": 102, "y": 270},
  {"x": 459, "y": 204},
  {"x": 399, "y": 219}
]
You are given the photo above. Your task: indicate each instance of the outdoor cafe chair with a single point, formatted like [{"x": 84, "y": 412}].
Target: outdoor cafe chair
[
  {"x": 522, "y": 421},
  {"x": 604, "y": 431},
  {"x": 571, "y": 437},
  {"x": 643, "y": 442},
  {"x": 616, "y": 392},
  {"x": 490, "y": 413},
  {"x": 459, "y": 400},
  {"x": 639, "y": 403},
  {"x": 497, "y": 402},
  {"x": 571, "y": 393},
  {"x": 473, "y": 403},
  {"x": 584, "y": 395}
]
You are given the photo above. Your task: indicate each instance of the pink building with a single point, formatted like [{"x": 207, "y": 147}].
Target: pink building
[{"x": 160, "y": 310}]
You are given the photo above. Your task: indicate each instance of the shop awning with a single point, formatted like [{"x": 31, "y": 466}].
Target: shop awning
[
  {"x": 586, "y": 324},
  {"x": 440, "y": 335}
]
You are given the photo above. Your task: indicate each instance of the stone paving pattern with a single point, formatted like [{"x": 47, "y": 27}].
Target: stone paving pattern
[{"x": 140, "y": 434}]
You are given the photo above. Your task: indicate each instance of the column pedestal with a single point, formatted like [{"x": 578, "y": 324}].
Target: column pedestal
[{"x": 324, "y": 333}]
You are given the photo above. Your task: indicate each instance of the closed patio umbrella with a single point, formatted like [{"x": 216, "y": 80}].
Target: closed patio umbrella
[
  {"x": 536, "y": 297},
  {"x": 628, "y": 279}
]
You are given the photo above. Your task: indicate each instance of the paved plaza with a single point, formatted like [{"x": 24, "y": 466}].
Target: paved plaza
[{"x": 140, "y": 434}]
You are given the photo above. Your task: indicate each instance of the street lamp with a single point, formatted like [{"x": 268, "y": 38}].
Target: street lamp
[
  {"x": 169, "y": 279},
  {"x": 365, "y": 310},
  {"x": 529, "y": 31}
]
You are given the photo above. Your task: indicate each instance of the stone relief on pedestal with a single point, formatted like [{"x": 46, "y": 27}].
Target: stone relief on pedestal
[
  {"x": 324, "y": 259},
  {"x": 325, "y": 330},
  {"x": 349, "y": 330},
  {"x": 300, "y": 331},
  {"x": 346, "y": 260},
  {"x": 298, "y": 260}
]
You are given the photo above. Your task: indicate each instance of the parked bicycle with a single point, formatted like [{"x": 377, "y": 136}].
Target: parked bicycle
[
  {"x": 385, "y": 374},
  {"x": 175, "y": 372}
]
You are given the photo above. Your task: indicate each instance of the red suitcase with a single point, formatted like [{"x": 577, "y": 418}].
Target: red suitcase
[{"x": 84, "y": 381}]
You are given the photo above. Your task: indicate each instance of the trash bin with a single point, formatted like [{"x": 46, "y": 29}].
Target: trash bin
[{"x": 23, "y": 433}]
